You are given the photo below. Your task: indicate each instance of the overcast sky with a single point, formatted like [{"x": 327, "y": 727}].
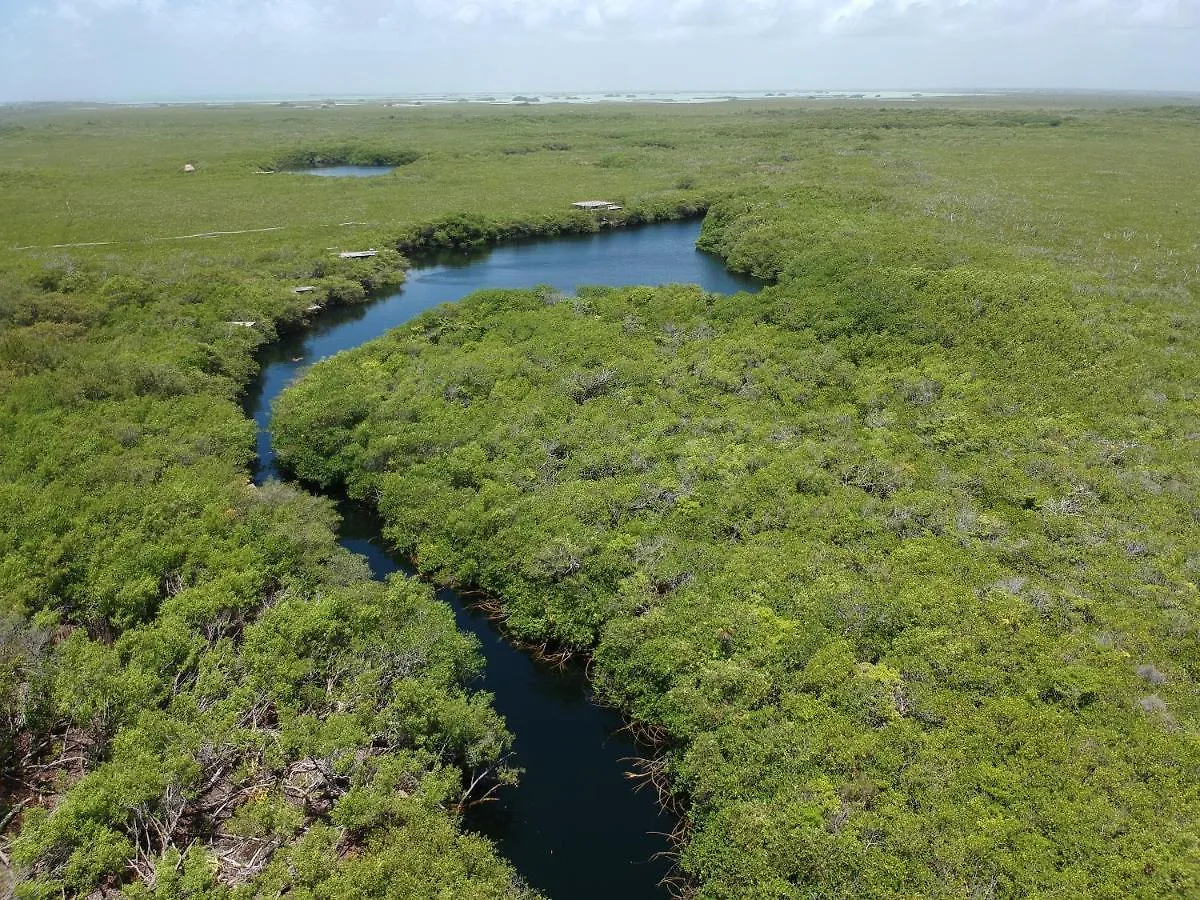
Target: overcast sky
[{"x": 162, "y": 49}]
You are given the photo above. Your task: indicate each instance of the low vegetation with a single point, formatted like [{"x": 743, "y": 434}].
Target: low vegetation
[{"x": 897, "y": 556}]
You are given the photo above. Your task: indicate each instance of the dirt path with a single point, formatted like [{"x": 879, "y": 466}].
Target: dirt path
[{"x": 178, "y": 237}]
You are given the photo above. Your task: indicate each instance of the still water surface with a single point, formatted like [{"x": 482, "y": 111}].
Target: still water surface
[
  {"x": 573, "y": 827},
  {"x": 346, "y": 171}
]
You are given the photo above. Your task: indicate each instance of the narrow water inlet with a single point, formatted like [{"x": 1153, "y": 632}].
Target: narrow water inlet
[
  {"x": 345, "y": 171},
  {"x": 574, "y": 827}
]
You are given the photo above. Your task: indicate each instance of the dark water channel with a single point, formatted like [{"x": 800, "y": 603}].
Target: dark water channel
[{"x": 573, "y": 827}]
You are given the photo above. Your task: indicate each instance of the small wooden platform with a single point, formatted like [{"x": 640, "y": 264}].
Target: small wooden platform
[{"x": 604, "y": 205}]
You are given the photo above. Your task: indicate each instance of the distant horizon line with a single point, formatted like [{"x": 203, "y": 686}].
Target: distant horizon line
[{"x": 615, "y": 94}]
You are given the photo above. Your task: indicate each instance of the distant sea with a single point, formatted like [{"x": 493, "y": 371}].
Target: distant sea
[{"x": 509, "y": 99}]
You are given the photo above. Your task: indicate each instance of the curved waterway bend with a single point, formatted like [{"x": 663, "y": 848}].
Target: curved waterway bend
[{"x": 573, "y": 827}]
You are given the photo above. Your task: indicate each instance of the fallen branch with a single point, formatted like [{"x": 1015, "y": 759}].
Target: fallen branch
[{"x": 11, "y": 813}]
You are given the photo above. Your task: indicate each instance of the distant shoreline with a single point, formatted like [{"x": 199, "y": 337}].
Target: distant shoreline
[{"x": 597, "y": 97}]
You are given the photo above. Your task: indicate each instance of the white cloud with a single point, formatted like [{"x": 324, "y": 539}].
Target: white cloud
[
  {"x": 78, "y": 47},
  {"x": 630, "y": 17},
  {"x": 832, "y": 15}
]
